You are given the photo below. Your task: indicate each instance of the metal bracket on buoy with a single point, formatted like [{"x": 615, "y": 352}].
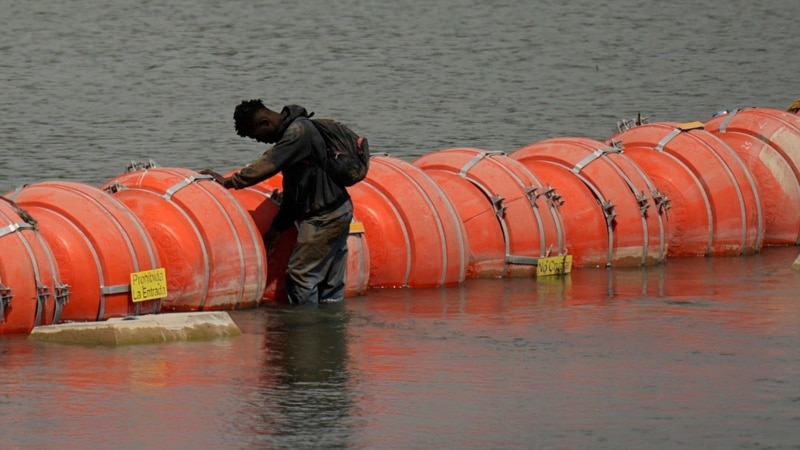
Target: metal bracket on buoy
[
  {"x": 5, "y": 300},
  {"x": 641, "y": 199},
  {"x": 30, "y": 222},
  {"x": 133, "y": 166},
  {"x": 530, "y": 192},
  {"x": 608, "y": 210},
  {"x": 627, "y": 124},
  {"x": 114, "y": 187},
  {"x": 499, "y": 207},
  {"x": 62, "y": 298},
  {"x": 662, "y": 201},
  {"x": 42, "y": 294},
  {"x": 552, "y": 196}
]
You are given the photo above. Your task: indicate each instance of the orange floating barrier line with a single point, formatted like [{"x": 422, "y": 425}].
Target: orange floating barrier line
[
  {"x": 777, "y": 185},
  {"x": 688, "y": 208},
  {"x": 213, "y": 253},
  {"x": 737, "y": 219},
  {"x": 636, "y": 231},
  {"x": 496, "y": 197},
  {"x": 31, "y": 293},
  {"x": 97, "y": 243},
  {"x": 779, "y": 130},
  {"x": 413, "y": 231}
]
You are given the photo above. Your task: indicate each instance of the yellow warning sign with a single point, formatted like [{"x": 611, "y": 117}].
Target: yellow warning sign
[
  {"x": 149, "y": 285},
  {"x": 554, "y": 265}
]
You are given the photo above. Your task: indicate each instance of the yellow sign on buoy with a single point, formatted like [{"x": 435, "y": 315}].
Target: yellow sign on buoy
[
  {"x": 149, "y": 285},
  {"x": 554, "y": 265}
]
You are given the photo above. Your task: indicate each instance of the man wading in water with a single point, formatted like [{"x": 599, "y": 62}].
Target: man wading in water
[{"x": 321, "y": 208}]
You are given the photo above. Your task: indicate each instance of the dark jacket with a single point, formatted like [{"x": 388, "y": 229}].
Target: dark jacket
[{"x": 307, "y": 188}]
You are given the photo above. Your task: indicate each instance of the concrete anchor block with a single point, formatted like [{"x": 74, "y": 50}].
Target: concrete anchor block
[{"x": 148, "y": 329}]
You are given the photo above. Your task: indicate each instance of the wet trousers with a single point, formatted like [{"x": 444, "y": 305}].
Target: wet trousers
[{"x": 316, "y": 270}]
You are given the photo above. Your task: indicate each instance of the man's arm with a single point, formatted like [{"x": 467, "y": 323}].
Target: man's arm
[{"x": 294, "y": 146}]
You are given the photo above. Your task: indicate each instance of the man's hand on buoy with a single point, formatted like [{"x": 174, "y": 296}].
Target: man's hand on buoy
[
  {"x": 271, "y": 240},
  {"x": 217, "y": 177}
]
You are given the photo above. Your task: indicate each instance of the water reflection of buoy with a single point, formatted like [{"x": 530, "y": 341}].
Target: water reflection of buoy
[
  {"x": 414, "y": 233},
  {"x": 509, "y": 219},
  {"x": 97, "y": 243},
  {"x": 212, "y": 252},
  {"x": 31, "y": 291}
]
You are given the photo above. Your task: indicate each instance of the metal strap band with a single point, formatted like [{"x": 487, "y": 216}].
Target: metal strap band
[
  {"x": 118, "y": 289},
  {"x": 593, "y": 156},
  {"x": 471, "y": 163},
  {"x": 8, "y": 229},
  {"x": 663, "y": 142},
  {"x": 476, "y": 159},
  {"x": 723, "y": 127},
  {"x": 186, "y": 182},
  {"x": 522, "y": 260}
]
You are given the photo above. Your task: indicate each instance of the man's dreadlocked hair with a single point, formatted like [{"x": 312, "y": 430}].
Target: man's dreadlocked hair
[{"x": 243, "y": 116}]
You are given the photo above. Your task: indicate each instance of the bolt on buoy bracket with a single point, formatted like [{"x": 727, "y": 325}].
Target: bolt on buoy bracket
[
  {"x": 5, "y": 300},
  {"x": 499, "y": 207},
  {"x": 662, "y": 201},
  {"x": 62, "y": 298},
  {"x": 608, "y": 210}
]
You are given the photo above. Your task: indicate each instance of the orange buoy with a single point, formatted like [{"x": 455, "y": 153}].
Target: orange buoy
[
  {"x": 97, "y": 243},
  {"x": 687, "y": 208},
  {"x": 414, "y": 233},
  {"x": 587, "y": 230},
  {"x": 31, "y": 293},
  {"x": 736, "y": 208},
  {"x": 507, "y": 224},
  {"x": 213, "y": 254},
  {"x": 778, "y": 187},
  {"x": 257, "y": 201},
  {"x": 632, "y": 204},
  {"x": 778, "y": 129}
]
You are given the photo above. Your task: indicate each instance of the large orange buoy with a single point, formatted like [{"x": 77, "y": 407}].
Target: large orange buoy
[
  {"x": 414, "y": 233},
  {"x": 31, "y": 293},
  {"x": 736, "y": 208},
  {"x": 508, "y": 223},
  {"x": 213, "y": 254},
  {"x": 778, "y": 187},
  {"x": 779, "y": 129},
  {"x": 688, "y": 209},
  {"x": 258, "y": 201},
  {"x": 633, "y": 205},
  {"x": 97, "y": 243},
  {"x": 586, "y": 214}
]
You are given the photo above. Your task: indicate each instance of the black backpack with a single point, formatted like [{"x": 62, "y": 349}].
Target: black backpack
[{"x": 346, "y": 157}]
